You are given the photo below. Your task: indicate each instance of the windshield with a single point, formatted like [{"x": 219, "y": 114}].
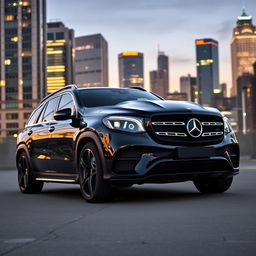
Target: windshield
[{"x": 107, "y": 97}]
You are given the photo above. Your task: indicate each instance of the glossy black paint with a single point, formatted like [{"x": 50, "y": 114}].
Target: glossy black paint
[{"x": 54, "y": 146}]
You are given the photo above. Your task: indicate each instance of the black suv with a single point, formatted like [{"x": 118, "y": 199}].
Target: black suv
[{"x": 104, "y": 138}]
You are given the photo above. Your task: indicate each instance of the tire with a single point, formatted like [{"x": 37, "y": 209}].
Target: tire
[
  {"x": 27, "y": 183},
  {"x": 93, "y": 187},
  {"x": 213, "y": 185}
]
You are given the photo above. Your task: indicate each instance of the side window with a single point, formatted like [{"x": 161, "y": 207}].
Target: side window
[
  {"x": 33, "y": 118},
  {"x": 66, "y": 101},
  {"x": 40, "y": 118},
  {"x": 50, "y": 109}
]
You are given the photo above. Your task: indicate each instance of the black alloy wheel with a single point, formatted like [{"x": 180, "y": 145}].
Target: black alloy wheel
[
  {"x": 26, "y": 181},
  {"x": 93, "y": 187}
]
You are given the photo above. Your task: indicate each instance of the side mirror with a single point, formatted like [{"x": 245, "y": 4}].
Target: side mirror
[{"x": 62, "y": 114}]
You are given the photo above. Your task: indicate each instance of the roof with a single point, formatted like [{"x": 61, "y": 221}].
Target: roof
[{"x": 244, "y": 16}]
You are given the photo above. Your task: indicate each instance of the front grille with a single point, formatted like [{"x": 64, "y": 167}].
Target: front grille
[{"x": 172, "y": 129}]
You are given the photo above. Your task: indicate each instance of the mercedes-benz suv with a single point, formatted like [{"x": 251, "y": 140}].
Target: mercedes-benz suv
[{"x": 102, "y": 138}]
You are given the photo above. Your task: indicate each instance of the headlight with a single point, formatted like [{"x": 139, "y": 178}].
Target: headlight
[
  {"x": 124, "y": 123},
  {"x": 227, "y": 126}
]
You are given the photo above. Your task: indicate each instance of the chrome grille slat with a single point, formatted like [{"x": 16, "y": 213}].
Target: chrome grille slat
[
  {"x": 212, "y": 123},
  {"x": 205, "y": 134},
  {"x": 168, "y": 123},
  {"x": 173, "y": 134}
]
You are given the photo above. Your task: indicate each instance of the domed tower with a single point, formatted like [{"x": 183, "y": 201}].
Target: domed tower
[{"x": 243, "y": 48}]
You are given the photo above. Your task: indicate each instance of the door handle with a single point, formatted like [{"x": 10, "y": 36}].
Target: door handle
[
  {"x": 51, "y": 129},
  {"x": 30, "y": 132}
]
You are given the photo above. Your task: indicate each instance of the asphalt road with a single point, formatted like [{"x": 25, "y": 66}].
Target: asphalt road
[{"x": 169, "y": 219}]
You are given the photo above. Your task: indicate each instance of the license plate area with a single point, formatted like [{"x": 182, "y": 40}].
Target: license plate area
[{"x": 195, "y": 152}]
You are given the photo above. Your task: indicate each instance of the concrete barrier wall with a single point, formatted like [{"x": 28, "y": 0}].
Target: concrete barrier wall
[
  {"x": 247, "y": 144},
  {"x": 7, "y": 153}
]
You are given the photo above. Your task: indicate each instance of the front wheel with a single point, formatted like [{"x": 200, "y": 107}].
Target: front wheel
[
  {"x": 27, "y": 183},
  {"x": 213, "y": 185},
  {"x": 92, "y": 185}
]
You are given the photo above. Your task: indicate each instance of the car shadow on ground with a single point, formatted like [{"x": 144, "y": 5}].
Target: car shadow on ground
[{"x": 139, "y": 194}]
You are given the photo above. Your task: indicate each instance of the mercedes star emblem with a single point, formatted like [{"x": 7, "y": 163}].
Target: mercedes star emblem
[{"x": 194, "y": 127}]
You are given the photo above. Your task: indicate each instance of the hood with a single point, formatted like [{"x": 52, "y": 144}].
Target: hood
[{"x": 149, "y": 107}]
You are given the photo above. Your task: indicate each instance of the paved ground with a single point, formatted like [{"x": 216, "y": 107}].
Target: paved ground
[{"x": 172, "y": 219}]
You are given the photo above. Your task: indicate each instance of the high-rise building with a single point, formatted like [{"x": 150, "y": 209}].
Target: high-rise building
[
  {"x": 243, "y": 48},
  {"x": 22, "y": 61},
  {"x": 158, "y": 82},
  {"x": 159, "y": 79},
  {"x": 163, "y": 65},
  {"x": 188, "y": 85},
  {"x": 131, "y": 69},
  {"x": 207, "y": 61},
  {"x": 91, "y": 61},
  {"x": 180, "y": 96},
  {"x": 223, "y": 87},
  {"x": 60, "y": 56}
]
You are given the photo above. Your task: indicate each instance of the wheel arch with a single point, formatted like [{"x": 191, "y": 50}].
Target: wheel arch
[
  {"x": 22, "y": 148},
  {"x": 85, "y": 138}
]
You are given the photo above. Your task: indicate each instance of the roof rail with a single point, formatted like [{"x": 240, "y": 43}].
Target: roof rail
[
  {"x": 137, "y": 88},
  {"x": 69, "y": 86}
]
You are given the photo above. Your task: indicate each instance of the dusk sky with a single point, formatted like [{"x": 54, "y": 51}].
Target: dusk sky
[{"x": 140, "y": 25}]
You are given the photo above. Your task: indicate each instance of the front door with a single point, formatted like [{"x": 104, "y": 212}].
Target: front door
[{"x": 63, "y": 139}]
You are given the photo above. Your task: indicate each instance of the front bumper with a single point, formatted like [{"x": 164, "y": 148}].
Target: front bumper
[{"x": 140, "y": 160}]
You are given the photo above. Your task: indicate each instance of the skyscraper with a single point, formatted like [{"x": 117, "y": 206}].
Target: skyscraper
[
  {"x": 207, "y": 61},
  {"x": 243, "y": 48},
  {"x": 91, "y": 61},
  {"x": 159, "y": 79},
  {"x": 131, "y": 69},
  {"x": 60, "y": 56},
  {"x": 188, "y": 85},
  {"x": 163, "y": 64},
  {"x": 22, "y": 61}
]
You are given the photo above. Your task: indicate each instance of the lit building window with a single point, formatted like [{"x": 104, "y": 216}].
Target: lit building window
[
  {"x": 26, "y": 54},
  {"x": 25, "y": 3},
  {"x": 84, "y": 47},
  {"x": 7, "y": 62},
  {"x": 9, "y": 17},
  {"x": 15, "y": 39},
  {"x": 2, "y": 82}
]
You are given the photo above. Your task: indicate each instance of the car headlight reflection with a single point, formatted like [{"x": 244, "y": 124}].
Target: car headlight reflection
[
  {"x": 227, "y": 125},
  {"x": 124, "y": 123}
]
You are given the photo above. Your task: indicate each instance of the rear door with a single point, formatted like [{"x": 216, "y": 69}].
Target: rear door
[{"x": 31, "y": 130}]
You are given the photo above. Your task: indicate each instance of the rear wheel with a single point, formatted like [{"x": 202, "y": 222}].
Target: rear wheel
[
  {"x": 92, "y": 185},
  {"x": 27, "y": 183},
  {"x": 213, "y": 185}
]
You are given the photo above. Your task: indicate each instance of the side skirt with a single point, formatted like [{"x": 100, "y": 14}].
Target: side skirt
[{"x": 57, "y": 177}]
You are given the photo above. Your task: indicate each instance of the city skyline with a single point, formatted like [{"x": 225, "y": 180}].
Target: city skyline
[
  {"x": 142, "y": 25},
  {"x": 22, "y": 62}
]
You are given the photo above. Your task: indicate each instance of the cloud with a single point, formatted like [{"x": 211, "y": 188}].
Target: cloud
[
  {"x": 181, "y": 60},
  {"x": 224, "y": 30}
]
